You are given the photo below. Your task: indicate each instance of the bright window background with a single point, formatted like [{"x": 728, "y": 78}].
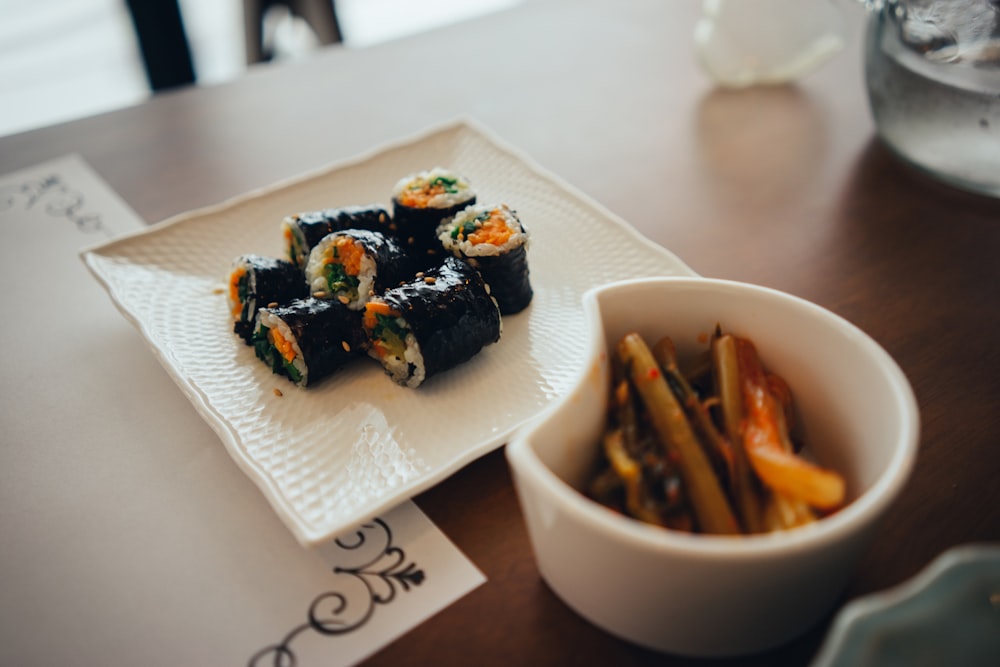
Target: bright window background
[{"x": 65, "y": 59}]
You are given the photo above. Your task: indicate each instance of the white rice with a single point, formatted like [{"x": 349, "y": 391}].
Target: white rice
[
  {"x": 295, "y": 241},
  {"x": 409, "y": 370},
  {"x": 251, "y": 277},
  {"x": 414, "y": 369}
]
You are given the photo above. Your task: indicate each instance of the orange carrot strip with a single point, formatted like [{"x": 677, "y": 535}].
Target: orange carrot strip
[
  {"x": 493, "y": 231},
  {"x": 773, "y": 462},
  {"x": 348, "y": 254},
  {"x": 373, "y": 308},
  {"x": 234, "y": 290},
  {"x": 282, "y": 345}
]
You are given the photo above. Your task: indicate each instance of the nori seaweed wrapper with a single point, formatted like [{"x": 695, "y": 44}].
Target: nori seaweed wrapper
[
  {"x": 417, "y": 229},
  {"x": 268, "y": 281},
  {"x": 420, "y": 202},
  {"x": 504, "y": 267},
  {"x": 328, "y": 334},
  {"x": 508, "y": 277},
  {"x": 313, "y": 226},
  {"x": 450, "y": 313}
]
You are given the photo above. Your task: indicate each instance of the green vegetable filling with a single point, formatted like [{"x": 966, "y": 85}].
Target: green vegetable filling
[
  {"x": 338, "y": 280},
  {"x": 262, "y": 346},
  {"x": 292, "y": 371},
  {"x": 469, "y": 227},
  {"x": 296, "y": 249},
  {"x": 449, "y": 183},
  {"x": 269, "y": 354},
  {"x": 392, "y": 334}
]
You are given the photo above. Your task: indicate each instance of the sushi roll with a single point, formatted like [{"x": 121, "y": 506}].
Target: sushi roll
[
  {"x": 493, "y": 240},
  {"x": 352, "y": 264},
  {"x": 303, "y": 231},
  {"x": 431, "y": 324},
  {"x": 308, "y": 339},
  {"x": 255, "y": 282},
  {"x": 421, "y": 201}
]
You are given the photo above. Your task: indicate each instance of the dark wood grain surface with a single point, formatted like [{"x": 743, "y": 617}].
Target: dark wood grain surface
[{"x": 782, "y": 186}]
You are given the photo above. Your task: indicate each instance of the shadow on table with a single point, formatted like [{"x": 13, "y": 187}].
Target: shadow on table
[
  {"x": 768, "y": 167},
  {"x": 886, "y": 212},
  {"x": 761, "y": 145}
]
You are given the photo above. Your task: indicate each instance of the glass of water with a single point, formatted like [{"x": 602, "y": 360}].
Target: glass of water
[{"x": 932, "y": 69}]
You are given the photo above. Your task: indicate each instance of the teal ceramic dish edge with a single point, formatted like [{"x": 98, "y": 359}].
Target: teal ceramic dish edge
[{"x": 948, "y": 614}]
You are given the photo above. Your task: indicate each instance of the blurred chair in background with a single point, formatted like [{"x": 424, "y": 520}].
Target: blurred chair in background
[
  {"x": 166, "y": 53},
  {"x": 320, "y": 15},
  {"x": 163, "y": 43}
]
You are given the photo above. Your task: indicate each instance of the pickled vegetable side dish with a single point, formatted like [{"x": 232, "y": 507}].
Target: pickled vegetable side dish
[{"x": 711, "y": 450}]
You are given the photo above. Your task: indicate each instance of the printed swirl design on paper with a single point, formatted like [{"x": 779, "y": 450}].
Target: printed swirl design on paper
[
  {"x": 381, "y": 573},
  {"x": 59, "y": 200}
]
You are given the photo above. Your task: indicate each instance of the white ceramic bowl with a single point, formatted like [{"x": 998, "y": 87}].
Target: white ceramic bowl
[{"x": 716, "y": 596}]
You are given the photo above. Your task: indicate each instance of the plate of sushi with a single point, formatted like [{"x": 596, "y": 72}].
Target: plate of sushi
[{"x": 357, "y": 334}]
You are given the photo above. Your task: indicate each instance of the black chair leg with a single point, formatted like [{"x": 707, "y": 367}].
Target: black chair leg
[
  {"x": 321, "y": 15},
  {"x": 163, "y": 43}
]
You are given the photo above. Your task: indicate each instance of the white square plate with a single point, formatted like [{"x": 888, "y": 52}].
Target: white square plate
[{"x": 355, "y": 445}]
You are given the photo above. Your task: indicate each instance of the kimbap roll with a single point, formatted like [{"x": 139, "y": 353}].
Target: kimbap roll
[
  {"x": 255, "y": 282},
  {"x": 352, "y": 264},
  {"x": 302, "y": 231},
  {"x": 308, "y": 339},
  {"x": 493, "y": 240},
  {"x": 431, "y": 324},
  {"x": 421, "y": 201}
]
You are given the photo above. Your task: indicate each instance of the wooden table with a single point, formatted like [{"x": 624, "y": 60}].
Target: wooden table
[{"x": 786, "y": 187}]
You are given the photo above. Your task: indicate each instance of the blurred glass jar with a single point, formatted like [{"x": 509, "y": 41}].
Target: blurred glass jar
[{"x": 933, "y": 75}]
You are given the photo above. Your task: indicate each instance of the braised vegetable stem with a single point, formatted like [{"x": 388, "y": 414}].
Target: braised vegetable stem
[
  {"x": 707, "y": 498},
  {"x": 630, "y": 472},
  {"x": 716, "y": 446},
  {"x": 727, "y": 386}
]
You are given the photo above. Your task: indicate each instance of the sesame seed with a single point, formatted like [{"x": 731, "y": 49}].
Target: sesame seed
[
  {"x": 277, "y": 392},
  {"x": 430, "y": 280},
  {"x": 343, "y": 299},
  {"x": 320, "y": 294},
  {"x": 273, "y": 304},
  {"x": 344, "y": 344}
]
